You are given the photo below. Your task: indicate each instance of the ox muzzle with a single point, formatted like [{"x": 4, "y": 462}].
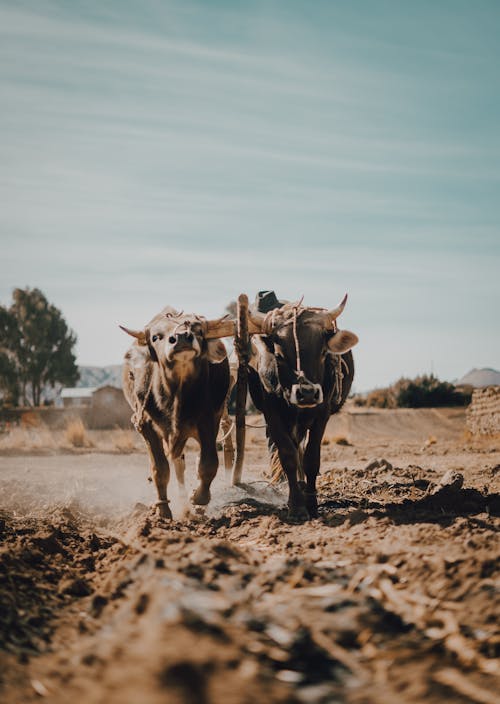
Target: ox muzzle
[
  {"x": 182, "y": 346},
  {"x": 181, "y": 341},
  {"x": 305, "y": 394}
]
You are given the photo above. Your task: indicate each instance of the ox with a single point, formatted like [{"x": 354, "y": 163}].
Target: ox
[
  {"x": 176, "y": 380},
  {"x": 300, "y": 372}
]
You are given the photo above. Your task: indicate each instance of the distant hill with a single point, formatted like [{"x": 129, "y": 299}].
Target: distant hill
[
  {"x": 480, "y": 377},
  {"x": 101, "y": 376}
]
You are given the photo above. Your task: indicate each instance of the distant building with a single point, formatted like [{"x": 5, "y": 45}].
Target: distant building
[
  {"x": 75, "y": 396},
  {"x": 109, "y": 409},
  {"x": 100, "y": 408}
]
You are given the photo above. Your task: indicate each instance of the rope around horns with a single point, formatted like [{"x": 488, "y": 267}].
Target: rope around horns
[{"x": 296, "y": 310}]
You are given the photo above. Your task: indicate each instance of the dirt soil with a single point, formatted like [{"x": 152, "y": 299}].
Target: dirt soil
[{"x": 391, "y": 596}]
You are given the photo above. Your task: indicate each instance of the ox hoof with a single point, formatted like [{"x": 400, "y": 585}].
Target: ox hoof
[
  {"x": 163, "y": 509},
  {"x": 200, "y": 497},
  {"x": 298, "y": 514}
]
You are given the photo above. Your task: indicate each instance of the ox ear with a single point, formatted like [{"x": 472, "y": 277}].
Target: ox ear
[
  {"x": 216, "y": 351},
  {"x": 139, "y": 335},
  {"x": 342, "y": 341}
]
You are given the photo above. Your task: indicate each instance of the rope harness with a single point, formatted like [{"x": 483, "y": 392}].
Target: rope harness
[
  {"x": 300, "y": 374},
  {"x": 138, "y": 415},
  {"x": 296, "y": 310},
  {"x": 226, "y": 435}
]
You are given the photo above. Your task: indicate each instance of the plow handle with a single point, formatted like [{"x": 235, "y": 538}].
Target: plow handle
[{"x": 241, "y": 344}]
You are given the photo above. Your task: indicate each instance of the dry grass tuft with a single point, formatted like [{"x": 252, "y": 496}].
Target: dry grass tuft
[
  {"x": 125, "y": 441},
  {"x": 336, "y": 440},
  {"x": 76, "y": 433},
  {"x": 22, "y": 439}
]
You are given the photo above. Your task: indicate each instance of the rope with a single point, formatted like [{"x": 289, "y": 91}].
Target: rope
[
  {"x": 300, "y": 373},
  {"x": 226, "y": 435},
  {"x": 186, "y": 324},
  {"x": 338, "y": 378},
  {"x": 138, "y": 415},
  {"x": 296, "y": 310}
]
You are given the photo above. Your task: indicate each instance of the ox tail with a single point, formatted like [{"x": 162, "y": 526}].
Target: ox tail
[{"x": 276, "y": 469}]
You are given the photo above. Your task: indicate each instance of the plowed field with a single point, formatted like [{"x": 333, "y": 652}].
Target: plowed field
[{"x": 391, "y": 596}]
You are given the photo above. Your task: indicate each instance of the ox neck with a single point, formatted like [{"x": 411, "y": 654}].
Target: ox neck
[{"x": 181, "y": 374}]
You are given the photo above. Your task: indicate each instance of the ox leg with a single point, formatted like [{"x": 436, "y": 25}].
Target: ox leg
[
  {"x": 160, "y": 469},
  {"x": 311, "y": 463},
  {"x": 288, "y": 452},
  {"x": 207, "y": 467},
  {"x": 180, "y": 468}
]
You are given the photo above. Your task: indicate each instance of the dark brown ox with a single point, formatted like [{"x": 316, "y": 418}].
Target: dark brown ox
[
  {"x": 176, "y": 379},
  {"x": 301, "y": 372}
]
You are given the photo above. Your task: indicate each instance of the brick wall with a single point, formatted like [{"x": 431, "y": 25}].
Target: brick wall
[{"x": 483, "y": 414}]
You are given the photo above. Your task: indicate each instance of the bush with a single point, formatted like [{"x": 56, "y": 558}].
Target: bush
[
  {"x": 424, "y": 391},
  {"x": 76, "y": 434},
  {"x": 381, "y": 398},
  {"x": 428, "y": 392}
]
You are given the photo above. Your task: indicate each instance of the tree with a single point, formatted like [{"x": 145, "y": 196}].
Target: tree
[
  {"x": 9, "y": 377},
  {"x": 231, "y": 309},
  {"x": 36, "y": 347}
]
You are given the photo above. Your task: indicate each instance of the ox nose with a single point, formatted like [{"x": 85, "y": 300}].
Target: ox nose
[
  {"x": 181, "y": 340},
  {"x": 306, "y": 394}
]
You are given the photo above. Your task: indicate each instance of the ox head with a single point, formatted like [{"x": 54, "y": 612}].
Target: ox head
[
  {"x": 300, "y": 340},
  {"x": 176, "y": 339}
]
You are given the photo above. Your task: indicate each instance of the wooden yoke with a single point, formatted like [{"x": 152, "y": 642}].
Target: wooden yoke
[{"x": 242, "y": 347}]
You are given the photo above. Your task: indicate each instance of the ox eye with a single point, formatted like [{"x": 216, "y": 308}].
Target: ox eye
[
  {"x": 156, "y": 337},
  {"x": 172, "y": 340}
]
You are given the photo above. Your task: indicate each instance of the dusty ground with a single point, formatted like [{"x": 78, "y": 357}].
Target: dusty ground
[{"x": 390, "y": 596}]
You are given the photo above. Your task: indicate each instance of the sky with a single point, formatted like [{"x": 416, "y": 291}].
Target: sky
[{"x": 181, "y": 153}]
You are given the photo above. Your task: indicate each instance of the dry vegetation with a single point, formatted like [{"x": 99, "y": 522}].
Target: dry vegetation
[
  {"x": 74, "y": 438},
  {"x": 76, "y": 434},
  {"x": 424, "y": 391}
]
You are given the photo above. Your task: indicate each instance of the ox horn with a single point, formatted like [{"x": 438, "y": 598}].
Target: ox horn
[
  {"x": 333, "y": 314},
  {"x": 221, "y": 327},
  {"x": 139, "y": 335}
]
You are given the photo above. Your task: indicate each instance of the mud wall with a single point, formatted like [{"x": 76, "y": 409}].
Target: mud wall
[
  {"x": 108, "y": 410},
  {"x": 483, "y": 414}
]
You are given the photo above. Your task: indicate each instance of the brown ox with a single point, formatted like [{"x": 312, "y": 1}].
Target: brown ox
[{"x": 176, "y": 379}]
